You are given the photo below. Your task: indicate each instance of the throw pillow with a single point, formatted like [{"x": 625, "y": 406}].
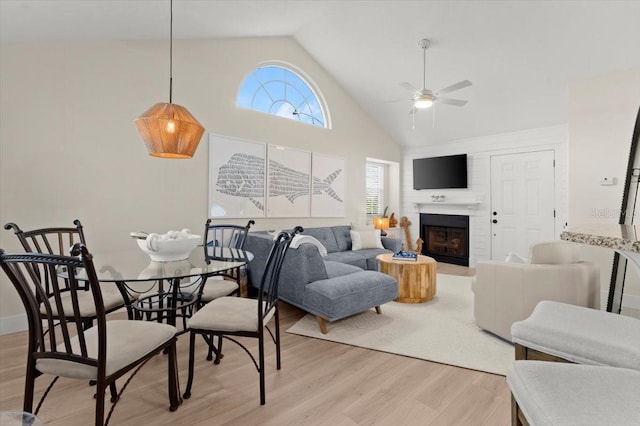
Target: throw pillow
[
  {"x": 360, "y": 227},
  {"x": 515, "y": 258},
  {"x": 365, "y": 239}
]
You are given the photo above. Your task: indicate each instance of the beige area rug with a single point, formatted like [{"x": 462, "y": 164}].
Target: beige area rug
[{"x": 441, "y": 330}]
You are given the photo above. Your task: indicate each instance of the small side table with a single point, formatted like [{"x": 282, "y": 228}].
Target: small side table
[{"x": 416, "y": 278}]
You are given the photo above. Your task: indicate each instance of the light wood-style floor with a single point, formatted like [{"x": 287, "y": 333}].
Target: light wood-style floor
[{"x": 320, "y": 383}]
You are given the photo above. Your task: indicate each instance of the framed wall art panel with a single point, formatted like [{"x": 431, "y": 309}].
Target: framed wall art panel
[
  {"x": 288, "y": 182},
  {"x": 328, "y": 186},
  {"x": 236, "y": 177}
]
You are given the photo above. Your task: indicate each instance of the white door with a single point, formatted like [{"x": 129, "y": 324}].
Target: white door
[{"x": 522, "y": 202}]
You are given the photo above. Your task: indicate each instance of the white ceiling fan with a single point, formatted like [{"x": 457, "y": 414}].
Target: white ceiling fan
[{"x": 425, "y": 98}]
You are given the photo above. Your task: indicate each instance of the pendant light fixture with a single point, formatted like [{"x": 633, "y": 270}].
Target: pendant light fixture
[{"x": 167, "y": 129}]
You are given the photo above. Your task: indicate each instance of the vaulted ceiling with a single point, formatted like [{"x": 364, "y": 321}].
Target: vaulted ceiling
[{"x": 520, "y": 55}]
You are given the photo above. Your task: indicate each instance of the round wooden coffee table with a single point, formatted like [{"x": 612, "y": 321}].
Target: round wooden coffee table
[{"x": 416, "y": 278}]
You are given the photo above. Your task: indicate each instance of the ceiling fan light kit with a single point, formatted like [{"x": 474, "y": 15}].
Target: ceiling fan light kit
[
  {"x": 423, "y": 101},
  {"x": 426, "y": 98}
]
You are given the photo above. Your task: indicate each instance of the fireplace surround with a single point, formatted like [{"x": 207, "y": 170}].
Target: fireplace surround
[{"x": 446, "y": 237}]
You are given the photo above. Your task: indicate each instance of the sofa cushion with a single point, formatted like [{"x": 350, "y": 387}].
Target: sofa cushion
[
  {"x": 392, "y": 244},
  {"x": 336, "y": 269},
  {"x": 346, "y": 295},
  {"x": 349, "y": 257},
  {"x": 300, "y": 266},
  {"x": 365, "y": 240},
  {"x": 325, "y": 236},
  {"x": 370, "y": 255},
  {"x": 343, "y": 238}
]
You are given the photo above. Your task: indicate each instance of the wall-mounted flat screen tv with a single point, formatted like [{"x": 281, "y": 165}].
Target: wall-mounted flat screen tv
[{"x": 440, "y": 172}]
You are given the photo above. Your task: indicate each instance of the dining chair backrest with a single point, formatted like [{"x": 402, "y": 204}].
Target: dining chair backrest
[
  {"x": 268, "y": 290},
  {"x": 55, "y": 240},
  {"x": 28, "y": 273},
  {"x": 225, "y": 236}
]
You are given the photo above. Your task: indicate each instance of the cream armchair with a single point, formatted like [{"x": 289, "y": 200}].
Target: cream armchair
[{"x": 507, "y": 292}]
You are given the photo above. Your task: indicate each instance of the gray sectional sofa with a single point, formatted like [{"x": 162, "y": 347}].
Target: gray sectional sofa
[{"x": 338, "y": 285}]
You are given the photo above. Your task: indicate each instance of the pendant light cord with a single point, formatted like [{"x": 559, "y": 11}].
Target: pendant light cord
[{"x": 171, "y": 52}]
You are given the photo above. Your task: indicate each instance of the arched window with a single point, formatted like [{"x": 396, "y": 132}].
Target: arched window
[{"x": 277, "y": 90}]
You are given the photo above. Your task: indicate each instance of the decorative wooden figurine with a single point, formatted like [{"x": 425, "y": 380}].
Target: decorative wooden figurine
[
  {"x": 405, "y": 223},
  {"x": 419, "y": 243},
  {"x": 393, "y": 222}
]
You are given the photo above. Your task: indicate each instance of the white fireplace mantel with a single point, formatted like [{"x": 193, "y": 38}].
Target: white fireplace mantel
[{"x": 470, "y": 204}]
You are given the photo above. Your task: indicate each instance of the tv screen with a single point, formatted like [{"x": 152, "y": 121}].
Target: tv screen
[{"x": 440, "y": 172}]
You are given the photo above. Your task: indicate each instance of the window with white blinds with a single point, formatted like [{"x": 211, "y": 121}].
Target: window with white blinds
[{"x": 375, "y": 189}]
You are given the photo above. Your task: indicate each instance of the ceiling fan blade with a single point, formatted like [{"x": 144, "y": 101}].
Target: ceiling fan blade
[
  {"x": 409, "y": 87},
  {"x": 413, "y": 110},
  {"x": 449, "y": 101},
  {"x": 459, "y": 85}
]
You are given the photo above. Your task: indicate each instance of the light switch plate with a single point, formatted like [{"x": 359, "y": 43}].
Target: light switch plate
[{"x": 607, "y": 181}]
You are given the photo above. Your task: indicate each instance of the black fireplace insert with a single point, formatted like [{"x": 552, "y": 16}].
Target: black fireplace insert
[{"x": 446, "y": 237}]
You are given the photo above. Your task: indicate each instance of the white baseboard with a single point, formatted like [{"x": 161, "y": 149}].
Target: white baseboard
[{"x": 13, "y": 324}]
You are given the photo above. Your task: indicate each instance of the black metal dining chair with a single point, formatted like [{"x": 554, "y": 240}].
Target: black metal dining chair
[
  {"x": 58, "y": 240},
  {"x": 218, "y": 238},
  {"x": 47, "y": 284},
  {"x": 243, "y": 317}
]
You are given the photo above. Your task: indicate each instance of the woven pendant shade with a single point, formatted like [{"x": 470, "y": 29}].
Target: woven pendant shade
[{"x": 169, "y": 131}]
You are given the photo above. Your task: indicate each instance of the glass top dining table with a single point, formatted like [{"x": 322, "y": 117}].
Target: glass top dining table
[
  {"x": 174, "y": 285},
  {"x": 135, "y": 265}
]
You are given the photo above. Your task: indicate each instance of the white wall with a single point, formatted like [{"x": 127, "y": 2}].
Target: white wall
[
  {"x": 602, "y": 116},
  {"x": 69, "y": 148},
  {"x": 479, "y": 152}
]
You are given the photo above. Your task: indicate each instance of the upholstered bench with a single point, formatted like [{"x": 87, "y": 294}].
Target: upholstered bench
[
  {"x": 339, "y": 297},
  {"x": 555, "y": 394},
  {"x": 563, "y": 332}
]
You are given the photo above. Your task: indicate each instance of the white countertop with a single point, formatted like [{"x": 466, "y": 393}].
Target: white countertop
[{"x": 617, "y": 237}]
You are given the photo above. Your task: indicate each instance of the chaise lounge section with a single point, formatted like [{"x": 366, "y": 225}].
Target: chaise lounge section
[{"x": 342, "y": 283}]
